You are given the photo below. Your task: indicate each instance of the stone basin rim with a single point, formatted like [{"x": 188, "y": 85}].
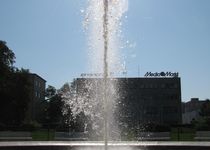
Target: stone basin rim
[{"x": 101, "y": 143}]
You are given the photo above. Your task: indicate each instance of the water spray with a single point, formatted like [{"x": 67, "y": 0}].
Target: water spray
[{"x": 105, "y": 74}]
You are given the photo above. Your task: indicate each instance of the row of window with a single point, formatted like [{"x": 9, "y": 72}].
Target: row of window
[
  {"x": 140, "y": 97},
  {"x": 37, "y": 83},
  {"x": 37, "y": 94},
  {"x": 165, "y": 110},
  {"x": 153, "y": 86}
]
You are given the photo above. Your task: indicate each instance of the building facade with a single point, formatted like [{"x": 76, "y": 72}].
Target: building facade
[
  {"x": 143, "y": 100},
  {"x": 38, "y": 85},
  {"x": 151, "y": 100},
  {"x": 191, "y": 110}
]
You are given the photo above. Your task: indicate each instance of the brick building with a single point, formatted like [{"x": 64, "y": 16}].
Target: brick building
[{"x": 38, "y": 85}]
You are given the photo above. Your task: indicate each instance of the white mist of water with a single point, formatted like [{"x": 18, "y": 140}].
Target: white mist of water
[
  {"x": 103, "y": 17},
  {"x": 94, "y": 24},
  {"x": 87, "y": 95}
]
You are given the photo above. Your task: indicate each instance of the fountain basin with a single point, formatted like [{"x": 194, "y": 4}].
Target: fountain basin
[{"x": 81, "y": 145}]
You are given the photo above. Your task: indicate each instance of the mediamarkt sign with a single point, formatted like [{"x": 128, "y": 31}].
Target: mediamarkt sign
[{"x": 161, "y": 74}]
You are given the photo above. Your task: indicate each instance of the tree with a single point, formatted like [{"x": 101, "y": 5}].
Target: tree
[
  {"x": 55, "y": 110},
  {"x": 7, "y": 58},
  {"x": 205, "y": 109},
  {"x": 204, "y": 122},
  {"x": 21, "y": 90},
  {"x": 15, "y": 89},
  {"x": 77, "y": 108},
  {"x": 15, "y": 97},
  {"x": 205, "y": 112},
  {"x": 6, "y": 62},
  {"x": 53, "y": 107},
  {"x": 50, "y": 92}
]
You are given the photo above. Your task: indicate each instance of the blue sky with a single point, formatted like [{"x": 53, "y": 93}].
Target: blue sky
[{"x": 165, "y": 35}]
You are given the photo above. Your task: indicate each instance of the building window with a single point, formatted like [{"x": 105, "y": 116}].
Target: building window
[
  {"x": 36, "y": 94},
  {"x": 155, "y": 86},
  {"x": 151, "y": 86},
  {"x": 163, "y": 86},
  {"x": 142, "y": 86},
  {"x": 147, "y": 86},
  {"x": 170, "y": 110},
  {"x": 36, "y": 83},
  {"x": 151, "y": 111},
  {"x": 176, "y": 86}
]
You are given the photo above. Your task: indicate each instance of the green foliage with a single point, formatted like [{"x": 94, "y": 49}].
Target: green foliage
[
  {"x": 50, "y": 92},
  {"x": 152, "y": 127},
  {"x": 31, "y": 126},
  {"x": 203, "y": 124},
  {"x": 182, "y": 134},
  {"x": 55, "y": 110},
  {"x": 205, "y": 109},
  {"x": 129, "y": 135},
  {"x": 42, "y": 114},
  {"x": 43, "y": 135},
  {"x": 15, "y": 96},
  {"x": 50, "y": 113},
  {"x": 15, "y": 89},
  {"x": 7, "y": 58}
]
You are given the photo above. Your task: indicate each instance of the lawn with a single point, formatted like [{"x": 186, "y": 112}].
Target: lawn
[
  {"x": 182, "y": 134},
  {"x": 43, "y": 135}
]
